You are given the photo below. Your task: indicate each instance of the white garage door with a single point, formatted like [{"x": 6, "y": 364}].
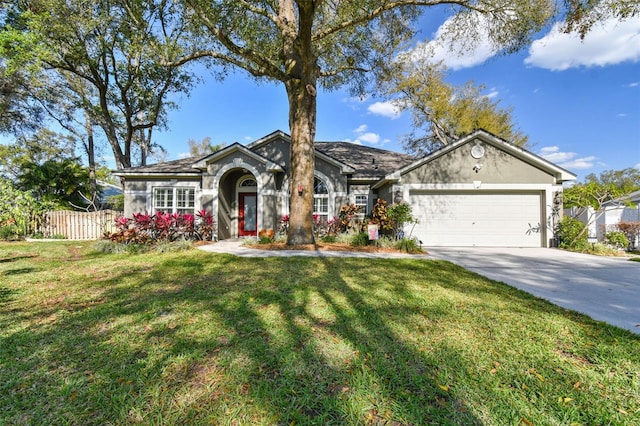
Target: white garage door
[{"x": 477, "y": 219}]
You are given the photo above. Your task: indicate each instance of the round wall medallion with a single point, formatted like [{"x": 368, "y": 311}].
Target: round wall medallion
[{"x": 477, "y": 151}]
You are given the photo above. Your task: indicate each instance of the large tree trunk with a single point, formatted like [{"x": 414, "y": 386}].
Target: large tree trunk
[
  {"x": 302, "y": 74},
  {"x": 91, "y": 154},
  {"x": 302, "y": 121}
]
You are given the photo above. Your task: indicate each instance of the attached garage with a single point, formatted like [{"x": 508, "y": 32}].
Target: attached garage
[
  {"x": 467, "y": 218},
  {"x": 479, "y": 191}
]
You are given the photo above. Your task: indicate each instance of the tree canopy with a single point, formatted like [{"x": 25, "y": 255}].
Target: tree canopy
[
  {"x": 204, "y": 147},
  {"x": 595, "y": 191},
  {"x": 19, "y": 111},
  {"x": 45, "y": 166},
  {"x": 582, "y": 15},
  {"x": 109, "y": 58},
  {"x": 626, "y": 180},
  {"x": 442, "y": 112}
]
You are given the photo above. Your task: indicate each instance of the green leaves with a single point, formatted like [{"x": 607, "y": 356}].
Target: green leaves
[
  {"x": 106, "y": 62},
  {"x": 443, "y": 112}
]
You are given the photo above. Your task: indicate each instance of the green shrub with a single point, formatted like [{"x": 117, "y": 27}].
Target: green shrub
[
  {"x": 116, "y": 202},
  {"x": 344, "y": 237},
  {"x": 573, "y": 234},
  {"x": 9, "y": 232},
  {"x": 110, "y": 247},
  {"x": 266, "y": 236},
  {"x": 113, "y": 247},
  {"x": 328, "y": 238},
  {"x": 360, "y": 239},
  {"x": 410, "y": 245},
  {"x": 617, "y": 239},
  {"x": 385, "y": 242},
  {"x": 265, "y": 239},
  {"x": 172, "y": 246},
  {"x": 599, "y": 249},
  {"x": 400, "y": 215}
]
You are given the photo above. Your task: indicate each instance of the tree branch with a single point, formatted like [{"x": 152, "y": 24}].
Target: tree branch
[
  {"x": 259, "y": 11},
  {"x": 389, "y": 6},
  {"x": 264, "y": 67}
]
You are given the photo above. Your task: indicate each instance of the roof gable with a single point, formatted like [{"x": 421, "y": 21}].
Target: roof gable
[
  {"x": 344, "y": 167},
  {"x": 631, "y": 198},
  {"x": 234, "y": 149},
  {"x": 560, "y": 174}
]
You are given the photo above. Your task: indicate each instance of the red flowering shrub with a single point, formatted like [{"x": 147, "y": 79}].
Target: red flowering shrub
[{"x": 144, "y": 228}]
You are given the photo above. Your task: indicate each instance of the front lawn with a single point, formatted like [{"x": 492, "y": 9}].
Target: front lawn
[{"x": 198, "y": 338}]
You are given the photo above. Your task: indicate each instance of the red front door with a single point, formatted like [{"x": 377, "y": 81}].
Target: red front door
[{"x": 247, "y": 214}]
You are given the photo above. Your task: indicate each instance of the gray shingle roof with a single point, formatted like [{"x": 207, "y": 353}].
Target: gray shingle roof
[
  {"x": 169, "y": 167},
  {"x": 368, "y": 162}
]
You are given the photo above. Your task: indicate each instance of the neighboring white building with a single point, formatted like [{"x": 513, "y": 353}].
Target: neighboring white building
[
  {"x": 618, "y": 211},
  {"x": 602, "y": 221}
]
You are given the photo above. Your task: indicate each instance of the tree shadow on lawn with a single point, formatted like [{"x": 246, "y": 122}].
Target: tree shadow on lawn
[{"x": 200, "y": 339}]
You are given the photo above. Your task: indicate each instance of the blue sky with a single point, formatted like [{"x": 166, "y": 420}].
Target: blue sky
[{"x": 578, "y": 101}]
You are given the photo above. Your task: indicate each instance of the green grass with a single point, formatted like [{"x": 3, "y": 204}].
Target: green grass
[{"x": 196, "y": 338}]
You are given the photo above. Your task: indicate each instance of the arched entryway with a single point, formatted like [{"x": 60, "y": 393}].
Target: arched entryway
[{"x": 237, "y": 201}]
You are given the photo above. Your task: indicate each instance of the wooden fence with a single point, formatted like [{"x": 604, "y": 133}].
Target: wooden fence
[{"x": 79, "y": 225}]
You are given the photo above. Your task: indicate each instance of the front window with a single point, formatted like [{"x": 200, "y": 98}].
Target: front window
[
  {"x": 174, "y": 200},
  {"x": 320, "y": 200},
  {"x": 362, "y": 201},
  {"x": 248, "y": 183}
]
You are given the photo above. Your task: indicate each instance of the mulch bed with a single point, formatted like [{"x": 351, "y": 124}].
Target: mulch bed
[{"x": 326, "y": 247}]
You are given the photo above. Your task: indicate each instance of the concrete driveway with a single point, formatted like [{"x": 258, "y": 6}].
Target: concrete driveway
[{"x": 605, "y": 288}]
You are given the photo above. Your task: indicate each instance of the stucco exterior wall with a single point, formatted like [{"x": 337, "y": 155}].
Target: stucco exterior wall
[
  {"x": 387, "y": 193},
  {"x": 337, "y": 179},
  {"x": 277, "y": 151},
  {"x": 496, "y": 166}
]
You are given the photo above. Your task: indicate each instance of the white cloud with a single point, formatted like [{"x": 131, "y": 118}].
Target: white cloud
[
  {"x": 611, "y": 42},
  {"x": 362, "y": 136},
  {"x": 634, "y": 84},
  {"x": 369, "y": 137},
  {"x": 182, "y": 155},
  {"x": 386, "y": 109},
  {"x": 456, "y": 52},
  {"x": 360, "y": 129},
  {"x": 579, "y": 163},
  {"x": 355, "y": 102},
  {"x": 567, "y": 160},
  {"x": 492, "y": 94}
]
